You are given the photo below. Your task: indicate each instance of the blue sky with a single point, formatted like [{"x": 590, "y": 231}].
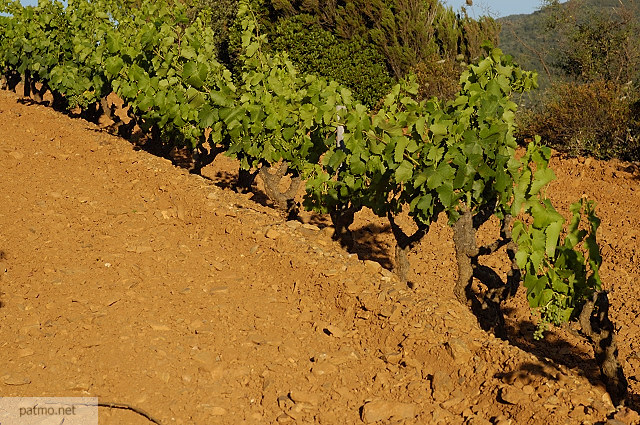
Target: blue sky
[{"x": 495, "y": 8}]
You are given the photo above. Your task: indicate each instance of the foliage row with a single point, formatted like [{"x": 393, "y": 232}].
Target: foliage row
[{"x": 428, "y": 157}]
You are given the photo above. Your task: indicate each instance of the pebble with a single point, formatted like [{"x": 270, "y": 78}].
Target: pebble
[
  {"x": 16, "y": 380},
  {"x": 324, "y": 368},
  {"x": 206, "y": 359},
  {"x": 442, "y": 385},
  {"x": 328, "y": 231},
  {"x": 299, "y": 396},
  {"x": 458, "y": 350},
  {"x": 334, "y": 331},
  {"x": 512, "y": 395},
  {"x": 393, "y": 358},
  {"x": 478, "y": 420},
  {"x": 376, "y": 411},
  {"x": 218, "y": 411},
  {"x": 284, "y": 419},
  {"x": 627, "y": 416},
  {"x": 441, "y": 415},
  {"x": 372, "y": 265},
  {"x": 219, "y": 290},
  {"x": 25, "y": 352},
  {"x": 159, "y": 327},
  {"x": 272, "y": 233}
]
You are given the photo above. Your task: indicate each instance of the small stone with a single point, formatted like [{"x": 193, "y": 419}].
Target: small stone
[
  {"x": 376, "y": 411},
  {"x": 528, "y": 389},
  {"x": 206, "y": 359},
  {"x": 458, "y": 350},
  {"x": 386, "y": 273},
  {"x": 442, "y": 385},
  {"x": 334, "y": 331},
  {"x": 393, "y": 358},
  {"x": 159, "y": 327},
  {"x": 218, "y": 411},
  {"x": 627, "y": 416},
  {"x": 25, "y": 352},
  {"x": 284, "y": 403},
  {"x": 284, "y": 419},
  {"x": 304, "y": 397},
  {"x": 211, "y": 196},
  {"x": 272, "y": 233},
  {"x": 511, "y": 395},
  {"x": 614, "y": 422},
  {"x": 293, "y": 224},
  {"x": 478, "y": 420},
  {"x": 78, "y": 386},
  {"x": 17, "y": 155},
  {"x": 502, "y": 419},
  {"x": 324, "y": 368},
  {"x": 606, "y": 398},
  {"x": 16, "y": 380},
  {"x": 312, "y": 227},
  {"x": 328, "y": 231},
  {"x": 372, "y": 265},
  {"x": 441, "y": 415},
  {"x": 216, "y": 290}
]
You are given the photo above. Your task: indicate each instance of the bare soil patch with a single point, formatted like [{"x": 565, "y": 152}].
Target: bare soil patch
[{"x": 126, "y": 278}]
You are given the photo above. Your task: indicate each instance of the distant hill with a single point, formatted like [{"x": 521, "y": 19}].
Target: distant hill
[{"x": 527, "y": 38}]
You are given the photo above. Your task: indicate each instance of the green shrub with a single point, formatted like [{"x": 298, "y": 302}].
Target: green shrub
[
  {"x": 353, "y": 63},
  {"x": 404, "y": 32},
  {"x": 600, "y": 119},
  {"x": 438, "y": 78},
  {"x": 220, "y": 15}
]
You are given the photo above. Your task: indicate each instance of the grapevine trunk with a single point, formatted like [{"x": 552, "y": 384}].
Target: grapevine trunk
[{"x": 600, "y": 331}]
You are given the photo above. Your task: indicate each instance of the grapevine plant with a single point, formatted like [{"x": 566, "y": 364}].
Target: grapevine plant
[
  {"x": 561, "y": 275},
  {"x": 422, "y": 157}
]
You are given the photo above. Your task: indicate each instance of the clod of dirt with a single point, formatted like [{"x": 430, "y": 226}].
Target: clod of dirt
[{"x": 376, "y": 411}]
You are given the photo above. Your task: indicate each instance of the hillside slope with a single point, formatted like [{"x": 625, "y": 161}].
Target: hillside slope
[
  {"x": 133, "y": 281},
  {"x": 528, "y": 39}
]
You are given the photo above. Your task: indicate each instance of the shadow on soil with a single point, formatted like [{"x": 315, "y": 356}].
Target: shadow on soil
[
  {"x": 553, "y": 352},
  {"x": 369, "y": 245},
  {"x": 368, "y": 241},
  {"x": 633, "y": 169}
]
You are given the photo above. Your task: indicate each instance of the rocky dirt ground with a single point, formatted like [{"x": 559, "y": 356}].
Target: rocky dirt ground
[{"x": 128, "y": 279}]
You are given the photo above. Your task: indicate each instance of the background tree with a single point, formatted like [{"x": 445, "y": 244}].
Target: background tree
[{"x": 592, "y": 102}]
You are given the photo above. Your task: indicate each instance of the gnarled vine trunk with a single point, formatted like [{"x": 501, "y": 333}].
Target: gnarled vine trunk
[
  {"x": 599, "y": 330},
  {"x": 404, "y": 244},
  {"x": 486, "y": 306},
  {"x": 284, "y": 200},
  {"x": 464, "y": 240}
]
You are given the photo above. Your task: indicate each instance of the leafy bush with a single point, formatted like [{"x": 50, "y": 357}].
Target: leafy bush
[
  {"x": 438, "y": 78},
  {"x": 219, "y": 14},
  {"x": 405, "y": 33},
  {"x": 354, "y": 63},
  {"x": 597, "y": 118}
]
